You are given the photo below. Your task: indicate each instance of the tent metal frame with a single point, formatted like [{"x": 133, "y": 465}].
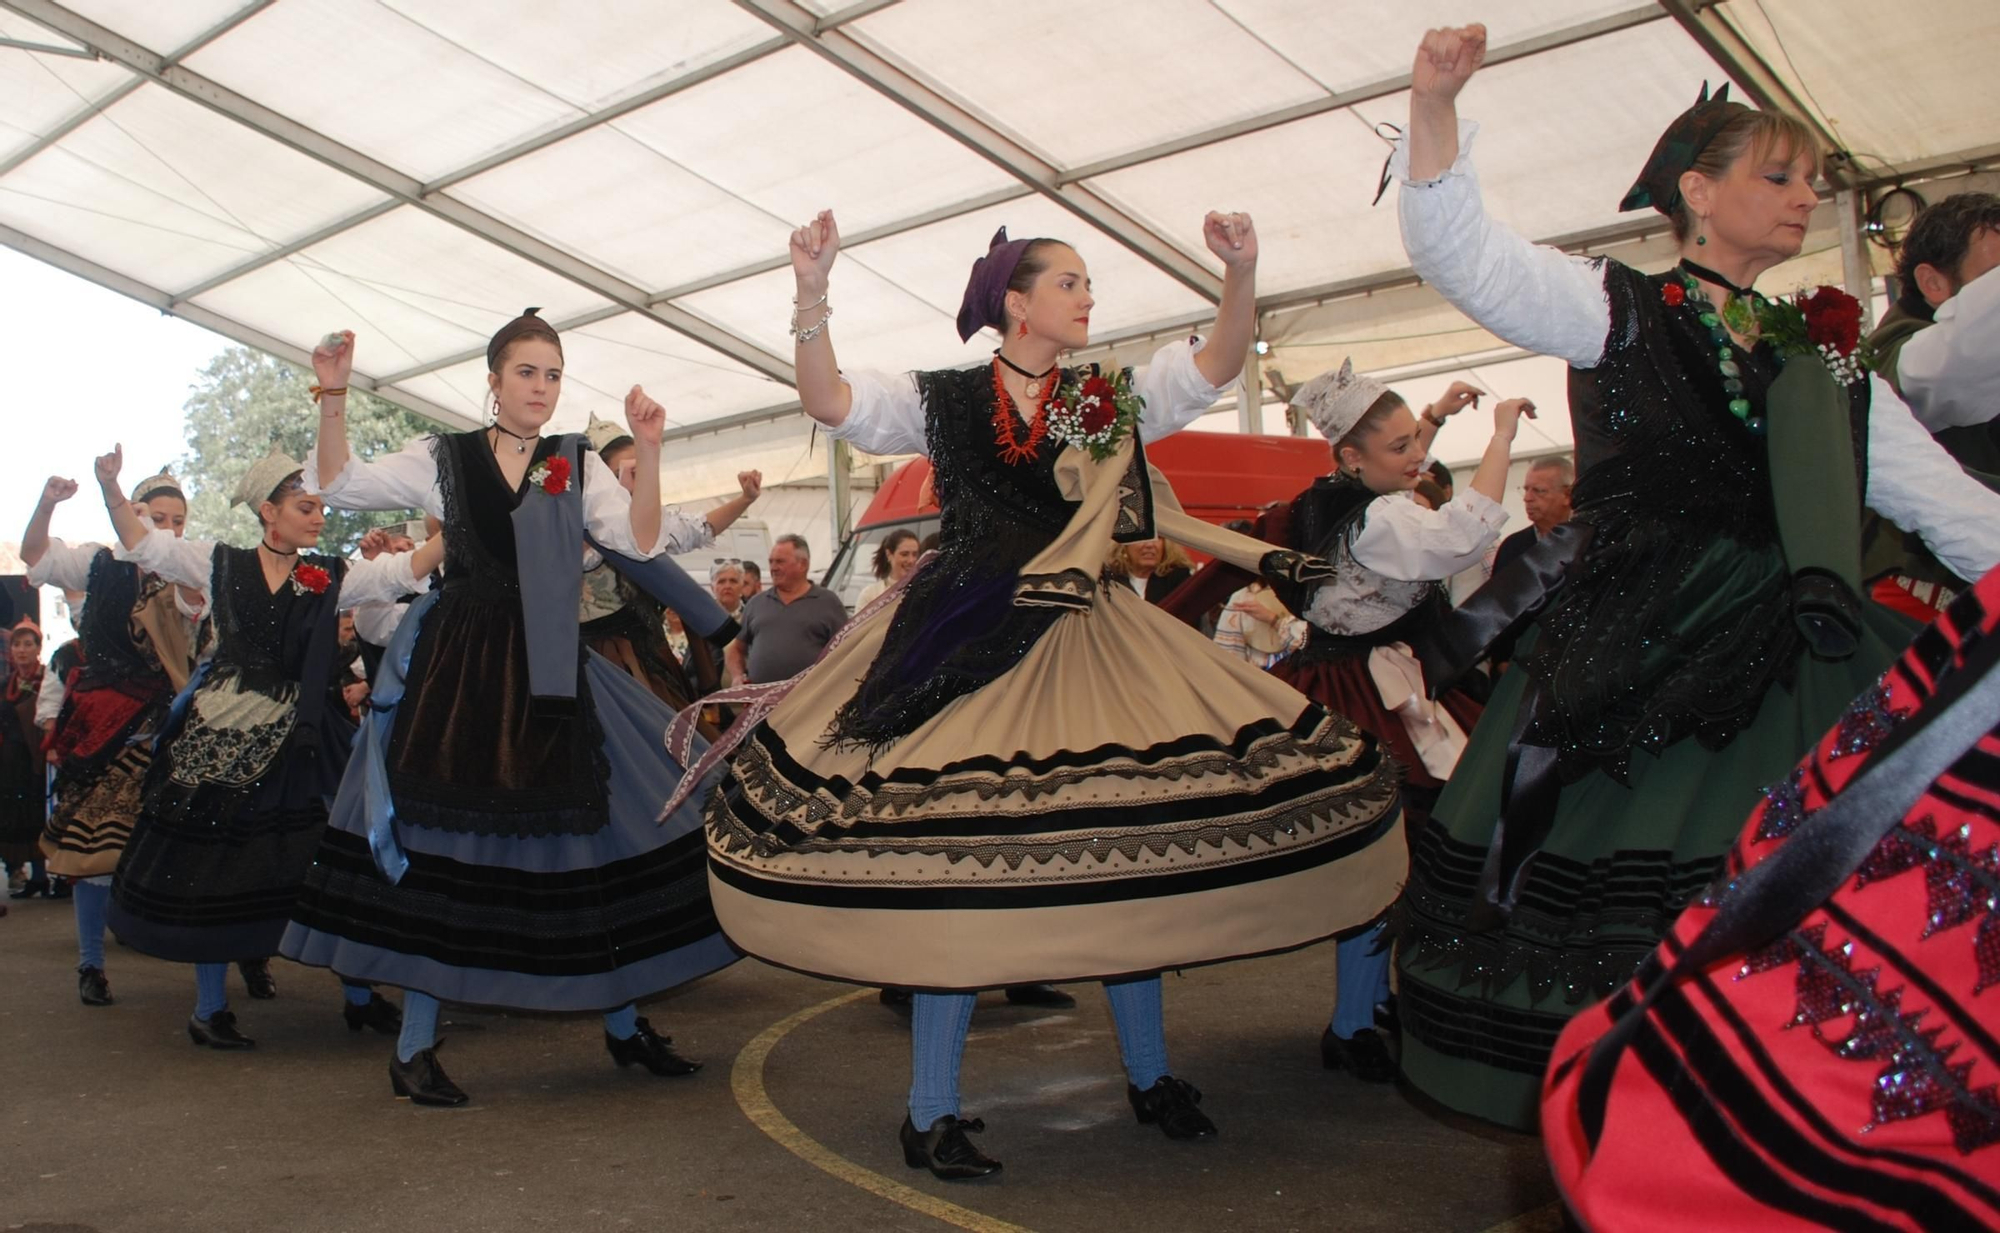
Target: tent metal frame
[{"x": 828, "y": 37}]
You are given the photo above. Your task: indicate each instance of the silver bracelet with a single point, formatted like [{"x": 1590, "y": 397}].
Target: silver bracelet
[
  {"x": 802, "y": 337},
  {"x": 796, "y": 310}
]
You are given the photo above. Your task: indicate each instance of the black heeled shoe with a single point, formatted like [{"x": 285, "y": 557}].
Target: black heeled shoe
[
  {"x": 896, "y": 999},
  {"x": 651, "y": 1050},
  {"x": 91, "y": 987},
  {"x": 61, "y": 888},
  {"x": 1047, "y": 996},
  {"x": 945, "y": 1151},
  {"x": 257, "y": 978},
  {"x": 1171, "y": 1104},
  {"x": 422, "y": 1081},
  {"x": 380, "y": 1013},
  {"x": 218, "y": 1031},
  {"x": 1364, "y": 1054},
  {"x": 30, "y": 888}
]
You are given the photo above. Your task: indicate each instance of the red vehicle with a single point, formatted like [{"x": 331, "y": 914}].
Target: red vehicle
[{"x": 1217, "y": 476}]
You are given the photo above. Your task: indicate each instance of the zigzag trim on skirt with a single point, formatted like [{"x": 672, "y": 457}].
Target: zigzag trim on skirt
[{"x": 765, "y": 811}]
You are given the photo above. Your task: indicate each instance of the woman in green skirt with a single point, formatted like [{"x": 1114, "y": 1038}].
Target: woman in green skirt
[{"x": 1699, "y": 621}]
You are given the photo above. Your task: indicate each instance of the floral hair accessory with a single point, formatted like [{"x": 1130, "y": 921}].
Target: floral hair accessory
[
  {"x": 551, "y": 475},
  {"x": 1095, "y": 411}
]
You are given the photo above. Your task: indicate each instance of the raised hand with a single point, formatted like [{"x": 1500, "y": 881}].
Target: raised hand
[
  {"x": 1456, "y": 399},
  {"x": 645, "y": 417},
  {"x": 752, "y": 483},
  {"x": 1446, "y": 60},
  {"x": 814, "y": 247},
  {"x": 373, "y": 544},
  {"x": 333, "y": 360},
  {"x": 108, "y": 466},
  {"x": 57, "y": 490},
  {"x": 1507, "y": 415},
  {"x": 1232, "y": 237}
]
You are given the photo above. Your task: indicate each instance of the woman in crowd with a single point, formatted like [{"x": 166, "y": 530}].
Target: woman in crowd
[
  {"x": 1707, "y": 626},
  {"x": 1010, "y": 773},
  {"x": 496, "y": 840},
  {"x": 895, "y": 559},
  {"x": 235, "y": 802},
  {"x": 139, "y": 631}
]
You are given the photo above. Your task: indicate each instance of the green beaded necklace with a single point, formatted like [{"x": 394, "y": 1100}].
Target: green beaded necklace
[{"x": 1738, "y": 313}]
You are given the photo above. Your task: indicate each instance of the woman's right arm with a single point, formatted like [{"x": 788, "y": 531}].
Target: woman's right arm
[
  {"x": 1537, "y": 298},
  {"x": 35, "y": 540},
  {"x": 403, "y": 480},
  {"x": 874, "y": 412}
]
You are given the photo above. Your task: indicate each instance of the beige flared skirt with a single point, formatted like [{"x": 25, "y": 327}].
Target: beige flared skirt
[{"x": 1127, "y": 798}]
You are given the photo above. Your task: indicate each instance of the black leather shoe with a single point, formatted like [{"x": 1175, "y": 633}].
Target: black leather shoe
[
  {"x": 1363, "y": 1053},
  {"x": 218, "y": 1031},
  {"x": 423, "y": 1081},
  {"x": 945, "y": 1151},
  {"x": 29, "y": 889},
  {"x": 91, "y": 987},
  {"x": 61, "y": 888},
  {"x": 380, "y": 1014},
  {"x": 651, "y": 1050},
  {"x": 897, "y": 1000},
  {"x": 1171, "y": 1103},
  {"x": 1047, "y": 996},
  {"x": 257, "y": 979}
]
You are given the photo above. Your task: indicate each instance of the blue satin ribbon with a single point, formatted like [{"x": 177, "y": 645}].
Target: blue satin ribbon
[
  {"x": 371, "y": 745},
  {"x": 177, "y": 713}
]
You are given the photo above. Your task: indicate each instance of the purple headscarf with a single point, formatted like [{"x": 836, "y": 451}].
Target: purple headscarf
[{"x": 985, "y": 300}]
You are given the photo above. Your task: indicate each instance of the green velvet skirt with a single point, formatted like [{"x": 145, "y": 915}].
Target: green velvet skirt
[{"x": 1481, "y": 1010}]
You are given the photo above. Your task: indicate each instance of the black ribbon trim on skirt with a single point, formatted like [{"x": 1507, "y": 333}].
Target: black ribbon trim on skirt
[
  {"x": 932, "y": 898},
  {"x": 1829, "y": 845}
]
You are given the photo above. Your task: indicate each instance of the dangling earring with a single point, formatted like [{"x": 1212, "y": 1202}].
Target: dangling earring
[
  {"x": 1701, "y": 236},
  {"x": 1024, "y": 327},
  {"x": 492, "y": 408}
]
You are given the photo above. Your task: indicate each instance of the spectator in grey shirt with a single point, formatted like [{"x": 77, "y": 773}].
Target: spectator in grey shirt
[{"x": 786, "y": 625}]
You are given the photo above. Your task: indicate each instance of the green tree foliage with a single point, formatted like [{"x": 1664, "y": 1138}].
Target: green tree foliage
[{"x": 243, "y": 402}]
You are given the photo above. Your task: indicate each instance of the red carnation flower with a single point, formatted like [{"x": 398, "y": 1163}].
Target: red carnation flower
[
  {"x": 1833, "y": 318},
  {"x": 1674, "y": 294},
  {"x": 556, "y": 482},
  {"x": 312, "y": 578}
]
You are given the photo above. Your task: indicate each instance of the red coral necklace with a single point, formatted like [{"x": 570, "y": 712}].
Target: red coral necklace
[{"x": 1013, "y": 450}]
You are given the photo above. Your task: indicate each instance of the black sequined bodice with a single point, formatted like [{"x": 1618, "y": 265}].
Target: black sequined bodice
[
  {"x": 957, "y": 627},
  {"x": 262, "y": 633},
  {"x": 1678, "y": 620}
]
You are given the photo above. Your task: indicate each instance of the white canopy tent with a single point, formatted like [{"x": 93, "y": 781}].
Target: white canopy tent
[{"x": 419, "y": 170}]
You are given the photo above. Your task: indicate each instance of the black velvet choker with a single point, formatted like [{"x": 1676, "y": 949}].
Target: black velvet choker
[{"x": 1707, "y": 275}]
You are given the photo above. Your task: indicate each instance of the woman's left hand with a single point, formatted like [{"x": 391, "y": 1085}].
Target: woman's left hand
[
  {"x": 752, "y": 483},
  {"x": 1231, "y": 237},
  {"x": 644, "y": 416}
]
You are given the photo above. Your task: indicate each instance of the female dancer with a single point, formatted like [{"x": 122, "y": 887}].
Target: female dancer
[
  {"x": 139, "y": 633},
  {"x": 1707, "y": 631},
  {"x": 1004, "y": 798},
  {"x": 24, "y": 777},
  {"x": 1392, "y": 560},
  {"x": 495, "y": 839},
  {"x": 236, "y": 801},
  {"x": 895, "y": 560}
]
